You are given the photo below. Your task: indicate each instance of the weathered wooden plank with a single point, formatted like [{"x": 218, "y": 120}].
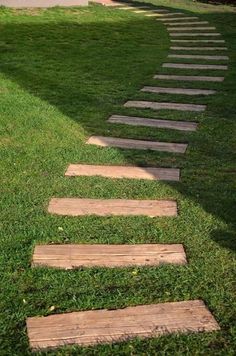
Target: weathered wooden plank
[
  {"x": 195, "y": 66},
  {"x": 160, "y": 14},
  {"x": 186, "y": 23},
  {"x": 97, "y": 255},
  {"x": 177, "y": 18},
  {"x": 196, "y": 56},
  {"x": 109, "y": 326},
  {"x": 109, "y": 207},
  {"x": 189, "y": 78},
  {"x": 142, "y": 121},
  {"x": 164, "y": 106},
  {"x": 191, "y": 28},
  {"x": 193, "y": 34},
  {"x": 197, "y": 41},
  {"x": 151, "y": 173},
  {"x": 137, "y": 144},
  {"x": 181, "y": 91},
  {"x": 178, "y": 48},
  {"x": 170, "y": 14}
]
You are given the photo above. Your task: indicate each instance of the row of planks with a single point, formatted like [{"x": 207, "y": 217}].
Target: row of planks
[{"x": 107, "y": 326}]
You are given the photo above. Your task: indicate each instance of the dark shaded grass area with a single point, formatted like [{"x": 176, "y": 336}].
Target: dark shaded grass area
[{"x": 63, "y": 73}]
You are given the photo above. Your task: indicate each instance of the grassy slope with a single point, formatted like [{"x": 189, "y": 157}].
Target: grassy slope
[{"x": 63, "y": 72}]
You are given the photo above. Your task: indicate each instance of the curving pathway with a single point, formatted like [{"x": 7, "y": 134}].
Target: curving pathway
[{"x": 188, "y": 33}]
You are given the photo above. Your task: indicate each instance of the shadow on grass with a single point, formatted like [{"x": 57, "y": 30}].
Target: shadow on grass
[{"x": 88, "y": 70}]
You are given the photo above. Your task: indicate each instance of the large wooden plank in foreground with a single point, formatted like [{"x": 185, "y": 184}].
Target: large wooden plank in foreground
[
  {"x": 189, "y": 78},
  {"x": 108, "y": 207},
  {"x": 108, "y": 326},
  {"x": 150, "y": 173},
  {"x": 97, "y": 255},
  {"x": 137, "y": 144},
  {"x": 164, "y": 106},
  {"x": 143, "y": 121}
]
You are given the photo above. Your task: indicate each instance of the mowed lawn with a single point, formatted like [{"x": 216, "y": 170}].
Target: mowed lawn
[{"x": 63, "y": 73}]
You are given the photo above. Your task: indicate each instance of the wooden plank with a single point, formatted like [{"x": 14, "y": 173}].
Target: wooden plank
[
  {"x": 164, "y": 106},
  {"x": 194, "y": 66},
  {"x": 181, "y": 91},
  {"x": 196, "y": 56},
  {"x": 178, "y": 18},
  {"x": 137, "y": 144},
  {"x": 193, "y": 34},
  {"x": 170, "y": 14},
  {"x": 189, "y": 78},
  {"x": 163, "y": 14},
  {"x": 198, "y": 41},
  {"x": 178, "y": 48},
  {"x": 109, "y": 326},
  {"x": 151, "y": 173},
  {"x": 186, "y": 23},
  {"x": 97, "y": 255},
  {"x": 191, "y": 28},
  {"x": 143, "y": 121},
  {"x": 109, "y": 207}
]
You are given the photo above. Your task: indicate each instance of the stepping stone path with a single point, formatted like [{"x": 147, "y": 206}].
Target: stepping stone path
[{"x": 107, "y": 326}]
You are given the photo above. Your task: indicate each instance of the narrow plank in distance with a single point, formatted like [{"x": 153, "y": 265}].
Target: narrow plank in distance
[
  {"x": 97, "y": 255},
  {"x": 108, "y": 326},
  {"x": 109, "y": 207},
  {"x": 151, "y": 173}
]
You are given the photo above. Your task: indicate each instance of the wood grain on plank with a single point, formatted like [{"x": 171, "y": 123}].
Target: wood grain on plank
[
  {"x": 109, "y": 207},
  {"x": 189, "y": 78},
  {"x": 109, "y": 326},
  {"x": 137, "y": 144},
  {"x": 142, "y": 121},
  {"x": 151, "y": 173},
  {"x": 181, "y": 91},
  {"x": 195, "y": 66},
  {"x": 164, "y": 106},
  {"x": 97, "y": 255}
]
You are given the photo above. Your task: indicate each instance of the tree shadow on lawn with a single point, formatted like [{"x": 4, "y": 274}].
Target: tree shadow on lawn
[{"x": 88, "y": 70}]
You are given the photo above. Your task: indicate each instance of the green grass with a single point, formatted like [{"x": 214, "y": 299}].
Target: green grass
[{"x": 63, "y": 72}]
